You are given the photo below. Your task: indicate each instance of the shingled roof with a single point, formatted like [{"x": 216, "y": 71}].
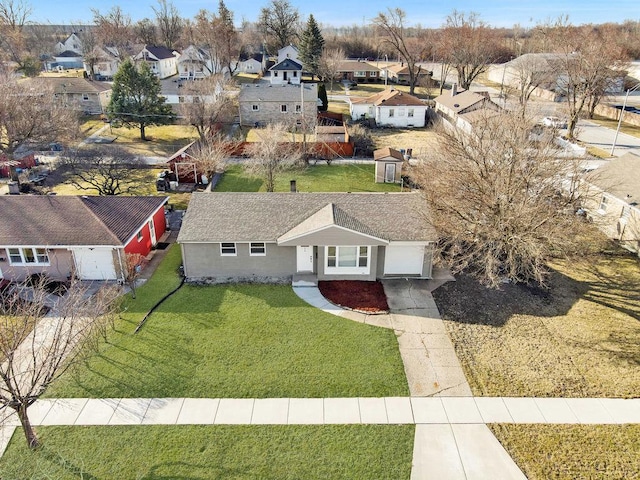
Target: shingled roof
[
  {"x": 48, "y": 220},
  {"x": 287, "y": 64},
  {"x": 620, "y": 177},
  {"x": 390, "y": 98},
  {"x": 265, "y": 217}
]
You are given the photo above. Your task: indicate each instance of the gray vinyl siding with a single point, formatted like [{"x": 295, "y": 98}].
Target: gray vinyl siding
[
  {"x": 203, "y": 261},
  {"x": 60, "y": 266}
]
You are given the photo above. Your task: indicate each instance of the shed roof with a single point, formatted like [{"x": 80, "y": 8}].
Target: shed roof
[
  {"x": 246, "y": 217},
  {"x": 387, "y": 153}
]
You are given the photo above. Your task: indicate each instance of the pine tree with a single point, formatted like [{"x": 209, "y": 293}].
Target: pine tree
[
  {"x": 310, "y": 48},
  {"x": 322, "y": 95},
  {"x": 136, "y": 99}
]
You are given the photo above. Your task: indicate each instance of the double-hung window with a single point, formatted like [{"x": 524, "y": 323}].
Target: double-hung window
[
  {"x": 28, "y": 256},
  {"x": 228, "y": 249},
  {"x": 257, "y": 249}
]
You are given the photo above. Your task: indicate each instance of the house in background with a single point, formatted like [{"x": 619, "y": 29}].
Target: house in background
[
  {"x": 399, "y": 74},
  {"x": 71, "y": 43},
  {"x": 255, "y": 63},
  {"x": 107, "y": 62},
  {"x": 290, "y": 52},
  {"x": 66, "y": 60},
  {"x": 88, "y": 237},
  {"x": 388, "y": 165},
  {"x": 163, "y": 62},
  {"x": 271, "y": 237},
  {"x": 286, "y": 72},
  {"x": 262, "y": 103},
  {"x": 454, "y": 105},
  {"x": 194, "y": 63},
  {"x": 81, "y": 94},
  {"x": 390, "y": 107},
  {"x": 358, "y": 71},
  {"x": 612, "y": 199}
]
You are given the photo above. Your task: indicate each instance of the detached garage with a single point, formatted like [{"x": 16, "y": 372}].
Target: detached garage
[{"x": 86, "y": 237}]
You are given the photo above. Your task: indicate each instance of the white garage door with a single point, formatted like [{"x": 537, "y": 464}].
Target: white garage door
[
  {"x": 94, "y": 263},
  {"x": 403, "y": 259}
]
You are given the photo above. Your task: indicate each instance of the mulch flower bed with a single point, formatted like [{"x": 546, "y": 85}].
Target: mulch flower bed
[{"x": 356, "y": 295}]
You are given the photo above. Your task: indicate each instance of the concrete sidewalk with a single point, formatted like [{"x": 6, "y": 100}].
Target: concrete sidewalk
[
  {"x": 451, "y": 440},
  {"x": 331, "y": 411}
]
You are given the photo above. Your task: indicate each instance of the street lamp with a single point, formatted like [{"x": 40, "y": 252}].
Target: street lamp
[{"x": 624, "y": 105}]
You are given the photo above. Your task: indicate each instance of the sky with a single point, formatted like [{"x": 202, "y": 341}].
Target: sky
[{"x": 499, "y": 13}]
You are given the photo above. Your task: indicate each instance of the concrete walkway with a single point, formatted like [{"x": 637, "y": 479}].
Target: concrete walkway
[{"x": 430, "y": 361}]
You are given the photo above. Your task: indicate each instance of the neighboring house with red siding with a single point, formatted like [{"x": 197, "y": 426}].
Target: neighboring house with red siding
[{"x": 88, "y": 237}]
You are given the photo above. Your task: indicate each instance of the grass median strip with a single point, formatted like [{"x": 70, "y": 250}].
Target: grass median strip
[{"x": 208, "y": 452}]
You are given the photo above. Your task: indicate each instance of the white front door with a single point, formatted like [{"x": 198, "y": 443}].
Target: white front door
[
  {"x": 152, "y": 232},
  {"x": 304, "y": 258},
  {"x": 389, "y": 172}
]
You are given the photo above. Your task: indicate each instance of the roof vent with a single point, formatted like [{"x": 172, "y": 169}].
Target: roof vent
[{"x": 456, "y": 105}]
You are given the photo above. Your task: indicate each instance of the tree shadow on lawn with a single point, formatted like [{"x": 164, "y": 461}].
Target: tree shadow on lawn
[{"x": 609, "y": 283}]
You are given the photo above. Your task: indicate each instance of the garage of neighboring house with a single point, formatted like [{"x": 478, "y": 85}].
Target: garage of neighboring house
[{"x": 95, "y": 263}]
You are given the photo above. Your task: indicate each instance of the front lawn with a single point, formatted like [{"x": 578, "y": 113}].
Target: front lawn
[
  {"x": 573, "y": 451},
  {"x": 236, "y": 341},
  {"x": 315, "y": 178},
  {"x": 579, "y": 339},
  {"x": 212, "y": 452}
]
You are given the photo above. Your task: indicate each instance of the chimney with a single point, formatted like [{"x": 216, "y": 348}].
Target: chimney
[
  {"x": 292, "y": 186},
  {"x": 454, "y": 89}
]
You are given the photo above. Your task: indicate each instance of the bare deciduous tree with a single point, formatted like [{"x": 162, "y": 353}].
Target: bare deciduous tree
[
  {"x": 22, "y": 117},
  {"x": 393, "y": 30},
  {"x": 169, "y": 23},
  {"x": 530, "y": 72},
  {"x": 279, "y": 22},
  {"x": 113, "y": 29},
  {"x": 36, "y": 348},
  {"x": 469, "y": 45},
  {"x": 588, "y": 63},
  {"x": 209, "y": 155},
  {"x": 133, "y": 264},
  {"x": 207, "y": 102},
  {"x": 330, "y": 64},
  {"x": 145, "y": 31},
  {"x": 106, "y": 170},
  {"x": 272, "y": 155},
  {"x": 501, "y": 199}
]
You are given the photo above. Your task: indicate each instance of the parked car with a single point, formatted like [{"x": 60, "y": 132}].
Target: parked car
[{"x": 554, "y": 122}]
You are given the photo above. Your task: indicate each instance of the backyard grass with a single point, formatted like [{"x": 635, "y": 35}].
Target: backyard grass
[
  {"x": 573, "y": 451},
  {"x": 146, "y": 185},
  {"x": 162, "y": 141},
  {"x": 236, "y": 341},
  {"x": 581, "y": 338},
  {"x": 92, "y": 124},
  {"x": 421, "y": 140},
  {"x": 315, "y": 178},
  {"x": 213, "y": 452}
]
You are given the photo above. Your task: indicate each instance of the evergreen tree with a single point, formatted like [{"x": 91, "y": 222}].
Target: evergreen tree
[
  {"x": 322, "y": 95},
  {"x": 136, "y": 99},
  {"x": 310, "y": 48}
]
